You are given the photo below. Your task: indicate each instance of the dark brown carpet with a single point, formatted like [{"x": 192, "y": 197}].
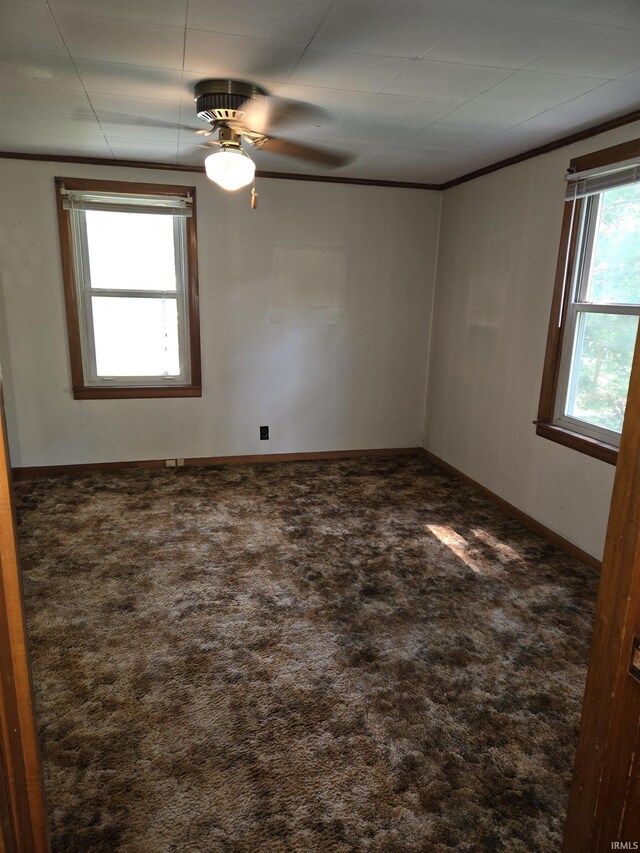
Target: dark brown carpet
[{"x": 361, "y": 655}]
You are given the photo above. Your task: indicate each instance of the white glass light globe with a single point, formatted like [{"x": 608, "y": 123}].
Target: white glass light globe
[{"x": 230, "y": 168}]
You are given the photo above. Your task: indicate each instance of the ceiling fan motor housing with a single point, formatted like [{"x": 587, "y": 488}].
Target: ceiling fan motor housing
[{"x": 221, "y": 100}]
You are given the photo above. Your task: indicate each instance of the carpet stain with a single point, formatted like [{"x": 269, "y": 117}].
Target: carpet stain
[{"x": 336, "y": 656}]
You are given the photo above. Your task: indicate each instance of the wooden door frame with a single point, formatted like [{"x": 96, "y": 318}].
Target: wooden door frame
[
  {"x": 604, "y": 802},
  {"x": 23, "y": 817}
]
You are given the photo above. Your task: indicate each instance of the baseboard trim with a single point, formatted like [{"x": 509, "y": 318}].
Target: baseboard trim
[
  {"x": 252, "y": 459},
  {"x": 527, "y": 520},
  {"x": 266, "y": 458}
]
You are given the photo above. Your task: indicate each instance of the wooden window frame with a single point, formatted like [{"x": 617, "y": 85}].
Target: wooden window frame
[
  {"x": 82, "y": 390},
  {"x": 565, "y": 269}
]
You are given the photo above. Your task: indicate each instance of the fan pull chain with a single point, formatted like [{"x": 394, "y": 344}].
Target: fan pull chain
[{"x": 254, "y": 196}]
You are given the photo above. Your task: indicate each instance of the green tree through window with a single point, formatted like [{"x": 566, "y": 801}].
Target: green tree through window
[{"x": 605, "y": 341}]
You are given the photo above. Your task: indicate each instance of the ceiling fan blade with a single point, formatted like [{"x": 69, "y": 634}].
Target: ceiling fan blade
[
  {"x": 141, "y": 121},
  {"x": 264, "y": 113},
  {"x": 303, "y": 152}
]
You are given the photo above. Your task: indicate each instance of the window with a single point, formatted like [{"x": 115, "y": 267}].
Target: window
[
  {"x": 596, "y": 306},
  {"x": 130, "y": 273}
]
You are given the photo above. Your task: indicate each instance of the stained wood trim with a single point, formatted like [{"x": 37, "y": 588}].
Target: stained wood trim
[
  {"x": 362, "y": 182},
  {"x": 258, "y": 459},
  {"x": 70, "y": 292},
  {"x": 576, "y": 441},
  {"x": 565, "y": 268},
  {"x": 537, "y": 527},
  {"x": 587, "y": 133},
  {"x": 561, "y": 142},
  {"x": 193, "y": 306},
  {"x": 88, "y": 392},
  {"x": 8, "y": 831},
  {"x": 563, "y": 278},
  {"x": 606, "y": 156},
  {"x": 133, "y": 187},
  {"x": 98, "y": 161},
  {"x": 250, "y": 459},
  {"x": 631, "y": 814},
  {"x": 20, "y": 758},
  {"x": 172, "y": 167},
  {"x": 604, "y": 800},
  {"x": 83, "y": 467},
  {"x": 82, "y": 391}
]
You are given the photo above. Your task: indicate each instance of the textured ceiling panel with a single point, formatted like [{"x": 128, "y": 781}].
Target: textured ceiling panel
[{"x": 416, "y": 90}]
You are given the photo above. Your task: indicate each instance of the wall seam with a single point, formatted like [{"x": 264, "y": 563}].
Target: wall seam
[{"x": 430, "y": 333}]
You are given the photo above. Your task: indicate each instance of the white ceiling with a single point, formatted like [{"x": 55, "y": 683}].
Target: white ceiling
[{"x": 417, "y": 90}]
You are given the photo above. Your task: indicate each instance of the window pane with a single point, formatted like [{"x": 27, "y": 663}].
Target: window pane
[
  {"x": 615, "y": 272},
  {"x": 136, "y": 336},
  {"x": 601, "y": 368},
  {"x": 131, "y": 251}
]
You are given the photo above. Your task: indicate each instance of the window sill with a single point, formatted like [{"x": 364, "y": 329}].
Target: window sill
[
  {"x": 129, "y": 393},
  {"x": 590, "y": 446}
]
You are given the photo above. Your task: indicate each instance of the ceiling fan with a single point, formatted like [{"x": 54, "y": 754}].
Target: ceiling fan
[{"x": 241, "y": 112}]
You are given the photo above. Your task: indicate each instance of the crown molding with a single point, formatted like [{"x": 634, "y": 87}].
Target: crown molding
[
  {"x": 587, "y": 133},
  {"x": 172, "y": 167},
  {"x": 561, "y": 142}
]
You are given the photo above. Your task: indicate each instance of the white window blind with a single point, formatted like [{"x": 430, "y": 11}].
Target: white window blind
[
  {"x": 121, "y": 203},
  {"x": 594, "y": 181}
]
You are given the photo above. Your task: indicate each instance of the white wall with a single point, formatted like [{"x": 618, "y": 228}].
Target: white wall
[
  {"x": 496, "y": 267},
  {"x": 353, "y": 377},
  {"x": 342, "y": 379}
]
